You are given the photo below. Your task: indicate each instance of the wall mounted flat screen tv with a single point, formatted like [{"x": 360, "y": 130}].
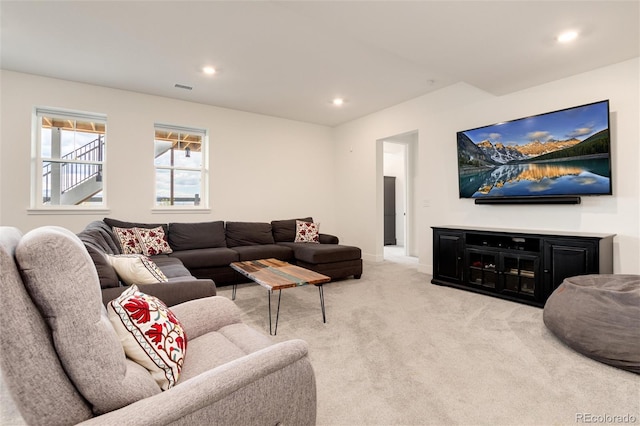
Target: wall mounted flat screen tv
[{"x": 559, "y": 153}]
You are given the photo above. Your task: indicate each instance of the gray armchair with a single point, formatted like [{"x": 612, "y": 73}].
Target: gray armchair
[{"x": 63, "y": 363}]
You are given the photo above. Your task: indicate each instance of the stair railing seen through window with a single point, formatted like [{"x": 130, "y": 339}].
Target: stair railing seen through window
[{"x": 70, "y": 149}]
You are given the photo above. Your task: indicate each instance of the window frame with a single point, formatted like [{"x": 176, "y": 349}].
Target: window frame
[
  {"x": 203, "y": 207},
  {"x": 37, "y": 205}
]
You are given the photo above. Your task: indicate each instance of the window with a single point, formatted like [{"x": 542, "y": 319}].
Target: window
[
  {"x": 69, "y": 157},
  {"x": 180, "y": 167}
]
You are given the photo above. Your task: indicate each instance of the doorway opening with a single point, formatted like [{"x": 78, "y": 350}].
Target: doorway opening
[{"x": 398, "y": 174}]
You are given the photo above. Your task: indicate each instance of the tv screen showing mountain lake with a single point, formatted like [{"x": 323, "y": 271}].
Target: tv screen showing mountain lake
[{"x": 561, "y": 153}]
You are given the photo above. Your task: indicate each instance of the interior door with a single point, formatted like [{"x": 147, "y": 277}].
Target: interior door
[{"x": 390, "y": 211}]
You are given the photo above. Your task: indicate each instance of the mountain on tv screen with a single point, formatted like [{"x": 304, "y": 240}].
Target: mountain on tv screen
[{"x": 560, "y": 153}]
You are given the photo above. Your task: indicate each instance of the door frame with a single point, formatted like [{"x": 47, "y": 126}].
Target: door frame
[{"x": 410, "y": 140}]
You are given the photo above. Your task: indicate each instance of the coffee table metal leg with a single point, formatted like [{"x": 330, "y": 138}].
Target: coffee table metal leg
[
  {"x": 233, "y": 292},
  {"x": 324, "y": 318},
  {"x": 277, "y": 312}
]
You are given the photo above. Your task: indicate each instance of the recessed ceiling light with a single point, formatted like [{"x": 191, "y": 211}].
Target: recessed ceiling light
[
  {"x": 338, "y": 101},
  {"x": 209, "y": 70},
  {"x": 567, "y": 36}
]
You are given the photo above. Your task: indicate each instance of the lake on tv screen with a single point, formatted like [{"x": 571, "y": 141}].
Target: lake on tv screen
[{"x": 577, "y": 177}]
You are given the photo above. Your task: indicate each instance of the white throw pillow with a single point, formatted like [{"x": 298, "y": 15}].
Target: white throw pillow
[{"x": 136, "y": 269}]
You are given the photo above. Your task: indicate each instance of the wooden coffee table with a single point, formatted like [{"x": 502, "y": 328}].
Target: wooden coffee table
[{"x": 274, "y": 274}]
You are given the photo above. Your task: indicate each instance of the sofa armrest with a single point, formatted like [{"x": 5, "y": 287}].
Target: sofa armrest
[
  {"x": 171, "y": 293},
  {"x": 275, "y": 385},
  {"x": 328, "y": 239},
  {"x": 202, "y": 316}
]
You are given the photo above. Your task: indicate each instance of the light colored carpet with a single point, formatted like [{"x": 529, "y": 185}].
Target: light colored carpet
[
  {"x": 396, "y": 254},
  {"x": 397, "y": 350}
]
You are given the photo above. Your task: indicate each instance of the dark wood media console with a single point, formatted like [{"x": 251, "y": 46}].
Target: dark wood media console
[{"x": 516, "y": 265}]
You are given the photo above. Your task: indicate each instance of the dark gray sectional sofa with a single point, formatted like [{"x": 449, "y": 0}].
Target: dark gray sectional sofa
[{"x": 203, "y": 251}]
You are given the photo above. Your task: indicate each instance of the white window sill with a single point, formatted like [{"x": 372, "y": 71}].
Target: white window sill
[
  {"x": 67, "y": 210},
  {"x": 181, "y": 210}
]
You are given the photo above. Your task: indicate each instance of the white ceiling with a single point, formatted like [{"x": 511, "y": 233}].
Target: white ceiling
[{"x": 289, "y": 59}]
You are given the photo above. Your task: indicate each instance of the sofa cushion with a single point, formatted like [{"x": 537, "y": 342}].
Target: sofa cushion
[
  {"x": 137, "y": 269},
  {"x": 328, "y": 239},
  {"x": 307, "y": 232},
  {"x": 188, "y": 236},
  {"x": 323, "y": 253},
  {"x": 106, "y": 274},
  {"x": 171, "y": 267},
  {"x": 206, "y": 257},
  {"x": 285, "y": 230},
  {"x": 100, "y": 235},
  {"x": 150, "y": 334},
  {"x": 248, "y": 233},
  {"x": 218, "y": 347},
  {"x": 153, "y": 241},
  {"x": 176, "y": 292},
  {"x": 63, "y": 283},
  {"x": 28, "y": 360},
  {"x": 123, "y": 224},
  {"x": 99, "y": 241},
  {"x": 264, "y": 251},
  {"x": 335, "y": 270}
]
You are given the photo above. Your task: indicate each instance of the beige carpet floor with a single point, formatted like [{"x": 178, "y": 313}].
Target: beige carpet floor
[{"x": 397, "y": 350}]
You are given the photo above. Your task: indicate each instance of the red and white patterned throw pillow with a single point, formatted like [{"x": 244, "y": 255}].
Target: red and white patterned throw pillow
[
  {"x": 307, "y": 232},
  {"x": 152, "y": 241},
  {"x": 150, "y": 334},
  {"x": 128, "y": 240}
]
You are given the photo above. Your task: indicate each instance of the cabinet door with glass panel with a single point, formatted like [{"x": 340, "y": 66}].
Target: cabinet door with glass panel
[
  {"x": 483, "y": 268},
  {"x": 520, "y": 275}
]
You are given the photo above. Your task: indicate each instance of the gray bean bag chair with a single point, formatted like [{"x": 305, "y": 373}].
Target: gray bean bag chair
[{"x": 598, "y": 316}]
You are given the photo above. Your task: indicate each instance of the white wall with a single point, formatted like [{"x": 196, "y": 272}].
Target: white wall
[
  {"x": 261, "y": 168},
  {"x": 439, "y": 115},
  {"x": 265, "y": 168}
]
